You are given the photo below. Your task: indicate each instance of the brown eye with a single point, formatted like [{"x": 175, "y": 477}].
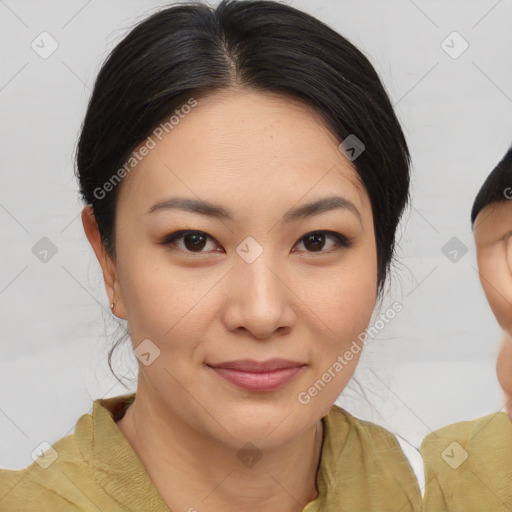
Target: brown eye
[
  {"x": 315, "y": 241},
  {"x": 192, "y": 241}
]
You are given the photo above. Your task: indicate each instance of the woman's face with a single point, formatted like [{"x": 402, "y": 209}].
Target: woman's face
[{"x": 249, "y": 284}]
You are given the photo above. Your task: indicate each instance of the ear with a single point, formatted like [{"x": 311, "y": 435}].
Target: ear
[{"x": 108, "y": 267}]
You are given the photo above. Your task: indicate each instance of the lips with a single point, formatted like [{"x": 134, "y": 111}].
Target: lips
[
  {"x": 250, "y": 365},
  {"x": 253, "y": 375}
]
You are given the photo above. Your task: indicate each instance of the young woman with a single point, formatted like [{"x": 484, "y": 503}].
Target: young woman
[{"x": 243, "y": 174}]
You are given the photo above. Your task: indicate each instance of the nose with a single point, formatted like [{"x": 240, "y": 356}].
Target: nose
[{"x": 260, "y": 299}]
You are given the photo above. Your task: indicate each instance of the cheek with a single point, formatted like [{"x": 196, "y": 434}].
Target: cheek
[
  {"x": 348, "y": 304},
  {"x": 348, "y": 318},
  {"x": 347, "y": 298},
  {"x": 344, "y": 307},
  {"x": 161, "y": 301}
]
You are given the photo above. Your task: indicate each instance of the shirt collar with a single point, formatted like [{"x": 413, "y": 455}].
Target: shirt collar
[{"x": 118, "y": 469}]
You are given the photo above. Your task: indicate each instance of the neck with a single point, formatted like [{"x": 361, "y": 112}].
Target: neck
[{"x": 191, "y": 470}]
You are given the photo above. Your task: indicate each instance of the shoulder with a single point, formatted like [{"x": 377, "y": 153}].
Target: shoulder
[
  {"x": 468, "y": 465},
  {"x": 66, "y": 476},
  {"x": 48, "y": 481},
  {"x": 370, "y": 435},
  {"x": 377, "y": 461},
  {"x": 487, "y": 437}
]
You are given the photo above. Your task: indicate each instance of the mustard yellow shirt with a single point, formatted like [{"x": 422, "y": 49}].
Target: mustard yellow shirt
[
  {"x": 362, "y": 468},
  {"x": 468, "y": 466}
]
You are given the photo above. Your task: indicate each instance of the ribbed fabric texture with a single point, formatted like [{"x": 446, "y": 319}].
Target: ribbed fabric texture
[
  {"x": 468, "y": 466},
  {"x": 362, "y": 469}
]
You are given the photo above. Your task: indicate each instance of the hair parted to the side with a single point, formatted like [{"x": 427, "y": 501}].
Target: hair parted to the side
[{"x": 191, "y": 50}]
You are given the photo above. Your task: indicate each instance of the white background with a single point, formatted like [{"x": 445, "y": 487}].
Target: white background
[{"x": 434, "y": 362}]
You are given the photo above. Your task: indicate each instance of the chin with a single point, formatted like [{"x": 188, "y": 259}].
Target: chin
[{"x": 271, "y": 428}]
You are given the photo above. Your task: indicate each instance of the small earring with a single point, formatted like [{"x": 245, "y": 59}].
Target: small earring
[{"x": 113, "y": 305}]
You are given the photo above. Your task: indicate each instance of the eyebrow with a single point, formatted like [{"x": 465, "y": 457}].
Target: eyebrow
[{"x": 219, "y": 212}]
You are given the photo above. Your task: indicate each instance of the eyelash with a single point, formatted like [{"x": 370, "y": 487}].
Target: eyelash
[{"x": 341, "y": 241}]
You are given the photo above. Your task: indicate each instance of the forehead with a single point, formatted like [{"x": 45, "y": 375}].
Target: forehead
[{"x": 244, "y": 144}]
